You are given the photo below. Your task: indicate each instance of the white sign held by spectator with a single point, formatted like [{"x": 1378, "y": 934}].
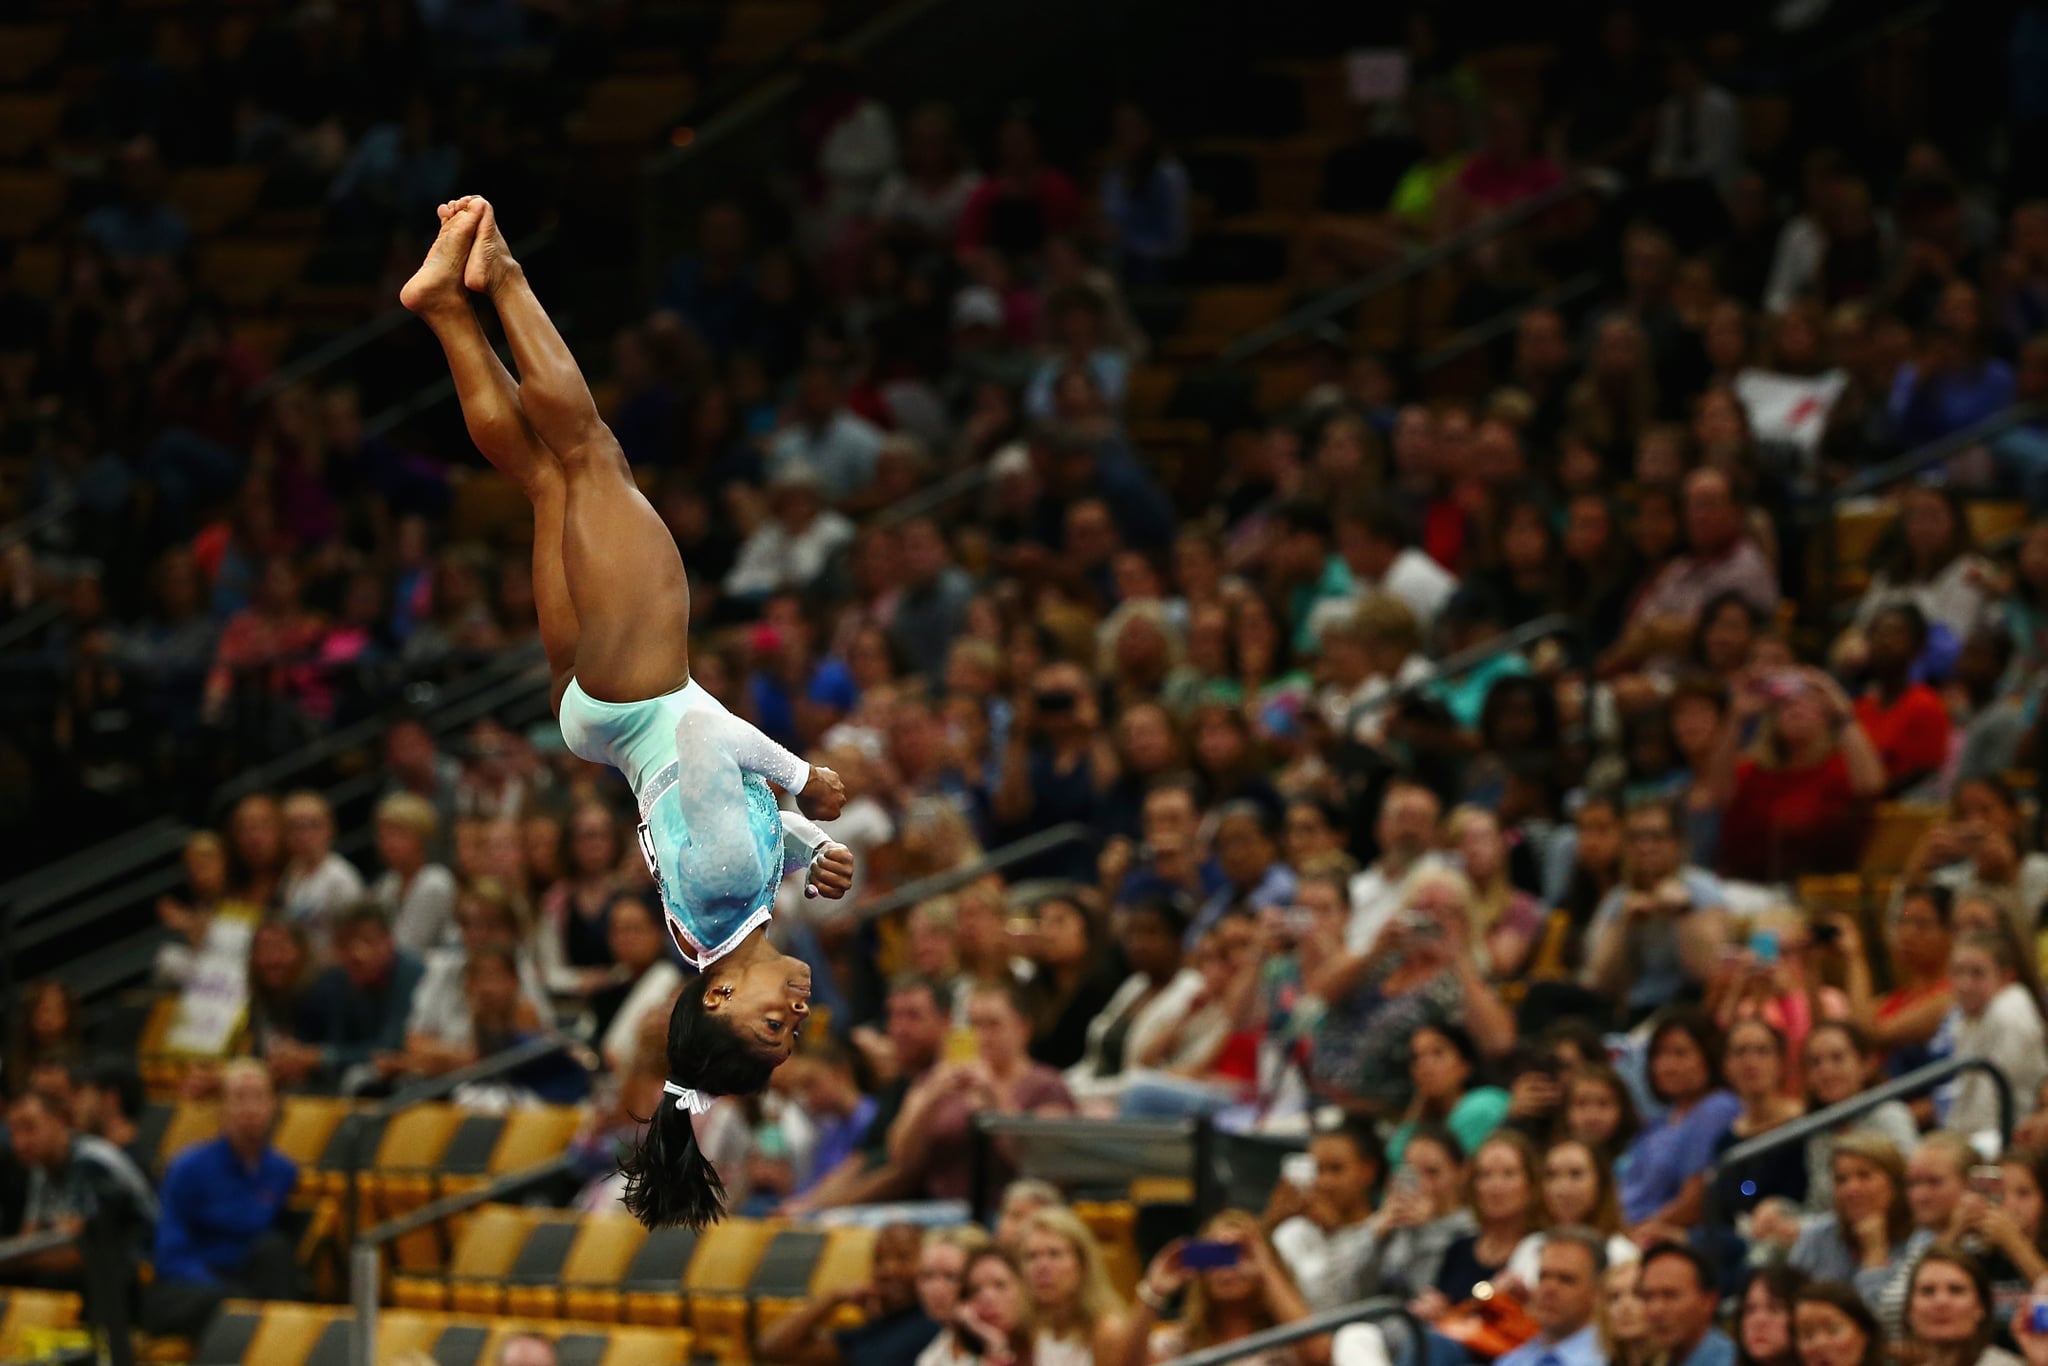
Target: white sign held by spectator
[{"x": 217, "y": 996}]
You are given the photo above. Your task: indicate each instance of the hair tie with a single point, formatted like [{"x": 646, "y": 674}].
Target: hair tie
[{"x": 688, "y": 1100}]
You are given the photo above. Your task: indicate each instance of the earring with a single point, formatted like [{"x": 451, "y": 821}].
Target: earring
[{"x": 726, "y": 991}]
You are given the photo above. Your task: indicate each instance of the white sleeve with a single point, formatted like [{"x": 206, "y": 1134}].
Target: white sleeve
[
  {"x": 801, "y": 836},
  {"x": 756, "y": 753}
]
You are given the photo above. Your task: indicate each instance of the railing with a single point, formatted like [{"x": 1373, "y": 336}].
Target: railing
[
  {"x": 362, "y": 1123},
  {"x": 108, "y": 1275},
  {"x": 953, "y": 879},
  {"x": 1414, "y": 266},
  {"x": 1504, "y": 323},
  {"x": 366, "y": 1263},
  {"x": 1826, "y": 1121},
  {"x": 1099, "y": 1152},
  {"x": 1315, "y": 1325},
  {"x": 1925, "y": 457},
  {"x": 1465, "y": 661},
  {"x": 30, "y": 523}
]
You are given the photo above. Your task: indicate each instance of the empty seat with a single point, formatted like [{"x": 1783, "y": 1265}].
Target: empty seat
[
  {"x": 352, "y": 1142},
  {"x": 649, "y": 1290},
  {"x": 605, "y": 1247},
  {"x": 483, "y": 1254},
  {"x": 33, "y": 1312},
  {"x": 534, "y": 1135},
  {"x": 800, "y": 1265},
  {"x": 1218, "y": 316},
  {"x": 533, "y": 1284},
  {"x": 645, "y": 1347},
  {"x": 461, "y": 1344},
  {"x": 289, "y": 1333},
  {"x": 194, "y": 1121},
  {"x": 728, "y": 1255},
  {"x": 582, "y": 1349},
  {"x": 305, "y": 1125},
  {"x": 227, "y": 1338},
  {"x": 28, "y": 199},
  {"x": 1895, "y": 828},
  {"x": 334, "y": 1345}
]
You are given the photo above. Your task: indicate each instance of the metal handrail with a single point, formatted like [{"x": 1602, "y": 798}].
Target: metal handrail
[
  {"x": 1198, "y": 1133},
  {"x": 506, "y": 1060},
  {"x": 366, "y": 1268},
  {"x": 29, "y": 523},
  {"x": 360, "y": 336},
  {"x": 953, "y": 879},
  {"x": 1935, "y": 452},
  {"x": 1413, "y": 266},
  {"x": 1315, "y": 1325},
  {"x": 1465, "y": 661},
  {"x": 1834, "y": 1116},
  {"x": 108, "y": 1280},
  {"x": 1506, "y": 321}
]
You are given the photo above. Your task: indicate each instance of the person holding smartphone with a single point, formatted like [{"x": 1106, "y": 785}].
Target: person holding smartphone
[{"x": 1231, "y": 1284}]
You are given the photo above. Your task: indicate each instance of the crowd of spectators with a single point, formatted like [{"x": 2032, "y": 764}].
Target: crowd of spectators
[{"x": 1519, "y": 950}]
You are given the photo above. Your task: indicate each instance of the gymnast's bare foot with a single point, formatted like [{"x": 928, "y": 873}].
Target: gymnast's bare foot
[
  {"x": 490, "y": 266},
  {"x": 437, "y": 285}
]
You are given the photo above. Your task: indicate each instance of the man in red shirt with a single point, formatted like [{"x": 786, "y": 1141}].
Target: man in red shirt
[{"x": 1905, "y": 720}]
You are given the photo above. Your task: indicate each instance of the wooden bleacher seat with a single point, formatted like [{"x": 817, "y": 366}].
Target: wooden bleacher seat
[{"x": 28, "y": 199}]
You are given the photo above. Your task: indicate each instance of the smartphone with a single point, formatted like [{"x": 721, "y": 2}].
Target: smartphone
[
  {"x": 2037, "y": 1316},
  {"x": 1405, "y": 1182},
  {"x": 1204, "y": 1254},
  {"x": 1989, "y": 1182},
  {"x": 1764, "y": 944},
  {"x": 1298, "y": 1170},
  {"x": 962, "y": 1045}
]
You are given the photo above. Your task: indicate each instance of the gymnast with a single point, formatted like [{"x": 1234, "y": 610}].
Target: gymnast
[{"x": 614, "y": 611}]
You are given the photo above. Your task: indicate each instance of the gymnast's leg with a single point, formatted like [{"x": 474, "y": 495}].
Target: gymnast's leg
[
  {"x": 625, "y": 576},
  {"x": 490, "y": 408}
]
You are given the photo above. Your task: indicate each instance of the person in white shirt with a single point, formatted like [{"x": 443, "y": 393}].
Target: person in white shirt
[
  {"x": 1406, "y": 832},
  {"x": 647, "y": 980},
  {"x": 825, "y": 437},
  {"x": 440, "y": 1018},
  {"x": 793, "y": 545},
  {"x": 1322, "y": 1232},
  {"x": 1377, "y": 547},
  {"x": 1699, "y": 129},
  {"x": 1997, "y": 1019},
  {"x": 418, "y": 896},
  {"x": 317, "y": 883}
]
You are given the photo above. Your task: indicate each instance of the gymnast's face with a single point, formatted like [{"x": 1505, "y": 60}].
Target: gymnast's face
[{"x": 766, "y": 1001}]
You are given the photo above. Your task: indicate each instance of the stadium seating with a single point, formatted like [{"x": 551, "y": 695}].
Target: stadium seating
[{"x": 250, "y": 1333}]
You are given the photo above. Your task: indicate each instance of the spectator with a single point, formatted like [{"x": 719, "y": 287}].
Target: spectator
[
  {"x": 1578, "y": 1192},
  {"x": 1929, "y": 560},
  {"x": 1680, "y": 1297},
  {"x": 1379, "y": 551},
  {"x": 1078, "y": 325},
  {"x": 1865, "y": 1237},
  {"x": 1405, "y": 833},
  {"x": 1443, "y": 1064},
  {"x": 1566, "y": 1301},
  {"x": 1994, "y": 1018},
  {"x": 440, "y": 1028},
  {"x": 573, "y": 938},
  {"x": 896, "y": 1331},
  {"x": 1144, "y": 200},
  {"x": 996, "y": 1311},
  {"x": 930, "y": 1140},
  {"x": 1423, "y": 1214},
  {"x": 1664, "y": 1182},
  {"x": 933, "y": 602},
  {"x": 77, "y": 1184},
  {"x": 417, "y": 767},
  {"x": 940, "y": 1293},
  {"x": 354, "y": 1010},
  {"x": 417, "y": 895},
  {"x": 1722, "y": 557},
  {"x": 1954, "y": 381},
  {"x": 1159, "y": 991},
  {"x": 1763, "y": 1325},
  {"x": 1906, "y": 721},
  {"x": 107, "y": 1103},
  {"x": 139, "y": 225},
  {"x": 922, "y": 201},
  {"x": 1841, "y": 1063},
  {"x": 1950, "y": 1320},
  {"x": 318, "y": 883},
  {"x": 224, "y": 1231},
  {"x": 1797, "y": 804},
  {"x": 821, "y": 1080},
  {"x": 1024, "y": 203},
  {"x": 1832, "y": 1326},
  {"x": 1080, "y": 1315},
  {"x": 918, "y": 1013},
  {"x": 824, "y": 438},
  {"x": 44, "y": 1031},
  {"x": 1658, "y": 934},
  {"x": 1980, "y": 849},
  {"x": 647, "y": 980},
  {"x": 1507, "y": 1208},
  {"x": 1756, "y": 1063},
  {"x": 792, "y": 546},
  {"x": 1323, "y": 1233},
  {"x": 526, "y": 1349},
  {"x": 1222, "y": 1306}
]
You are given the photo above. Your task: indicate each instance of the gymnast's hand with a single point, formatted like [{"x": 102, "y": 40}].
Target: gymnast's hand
[
  {"x": 832, "y": 871},
  {"x": 824, "y": 796}
]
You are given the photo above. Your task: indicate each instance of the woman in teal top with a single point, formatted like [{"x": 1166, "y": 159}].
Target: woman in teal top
[
  {"x": 614, "y": 609},
  {"x": 1441, "y": 1062}
]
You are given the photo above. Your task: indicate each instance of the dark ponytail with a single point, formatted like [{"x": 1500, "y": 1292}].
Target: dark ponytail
[{"x": 669, "y": 1180}]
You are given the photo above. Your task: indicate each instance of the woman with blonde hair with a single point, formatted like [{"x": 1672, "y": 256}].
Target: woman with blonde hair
[
  {"x": 1224, "y": 1303},
  {"x": 1866, "y": 1238},
  {"x": 1506, "y": 919},
  {"x": 1081, "y": 1318}
]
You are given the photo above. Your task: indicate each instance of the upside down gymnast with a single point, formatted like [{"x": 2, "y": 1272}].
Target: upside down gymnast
[{"x": 614, "y": 610}]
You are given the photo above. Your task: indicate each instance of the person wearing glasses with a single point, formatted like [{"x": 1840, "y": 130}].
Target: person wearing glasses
[{"x": 1656, "y": 937}]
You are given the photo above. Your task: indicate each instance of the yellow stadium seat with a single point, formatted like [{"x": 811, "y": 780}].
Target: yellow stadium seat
[
  {"x": 288, "y": 1331},
  {"x": 403, "y": 1331},
  {"x": 534, "y": 1135},
  {"x": 533, "y": 1282},
  {"x": 650, "y": 1288},
  {"x": 31, "y": 1313},
  {"x": 215, "y": 198},
  {"x": 194, "y": 1121},
  {"x": 483, "y": 1254},
  {"x": 1992, "y": 521},
  {"x": 605, "y": 1246},
  {"x": 846, "y": 1260},
  {"x": 648, "y": 1347},
  {"x": 726, "y": 1256},
  {"x": 401, "y": 1174},
  {"x": 304, "y": 1126},
  {"x": 1115, "y": 1226},
  {"x": 28, "y": 199},
  {"x": 1894, "y": 829}
]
